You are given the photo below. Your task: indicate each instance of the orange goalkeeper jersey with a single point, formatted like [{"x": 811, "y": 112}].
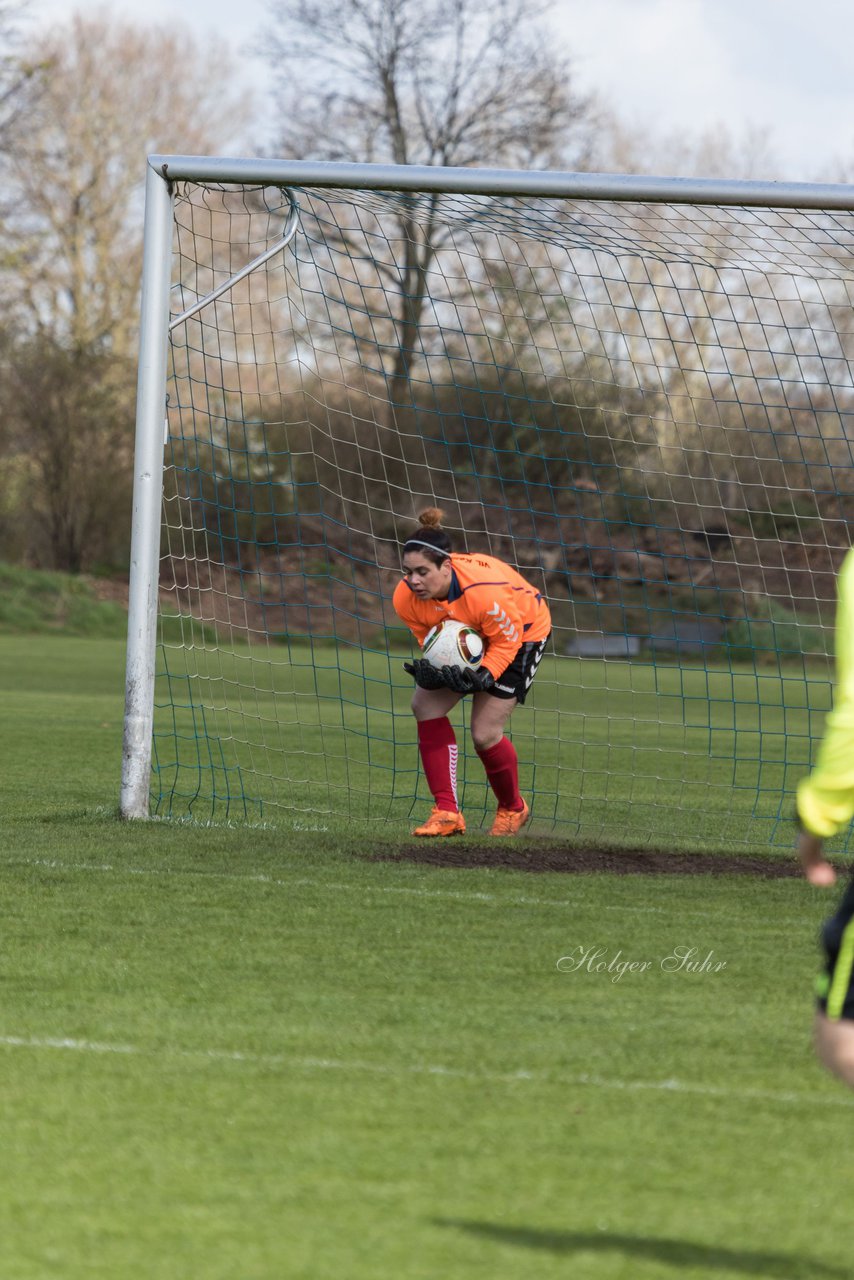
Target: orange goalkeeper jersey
[{"x": 489, "y": 596}]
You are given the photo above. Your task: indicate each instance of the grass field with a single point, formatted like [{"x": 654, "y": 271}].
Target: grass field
[{"x": 253, "y": 1053}]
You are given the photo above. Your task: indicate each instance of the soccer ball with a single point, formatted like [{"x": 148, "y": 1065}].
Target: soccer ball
[{"x": 453, "y": 644}]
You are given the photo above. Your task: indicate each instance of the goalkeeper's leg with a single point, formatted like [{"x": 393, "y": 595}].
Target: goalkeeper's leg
[
  {"x": 490, "y": 712},
  {"x": 498, "y": 755},
  {"x": 437, "y": 746}
]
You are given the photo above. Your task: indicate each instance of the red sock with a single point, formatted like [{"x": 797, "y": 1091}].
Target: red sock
[
  {"x": 502, "y": 769},
  {"x": 437, "y": 744}
]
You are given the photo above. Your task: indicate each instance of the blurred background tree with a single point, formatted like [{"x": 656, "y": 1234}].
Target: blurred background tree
[
  {"x": 86, "y": 101},
  {"x": 428, "y": 82},
  {"x": 424, "y": 82}
]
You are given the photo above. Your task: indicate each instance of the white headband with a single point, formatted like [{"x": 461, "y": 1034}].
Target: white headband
[{"x": 419, "y": 543}]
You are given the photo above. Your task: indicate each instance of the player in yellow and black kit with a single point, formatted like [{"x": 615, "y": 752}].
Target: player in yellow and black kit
[
  {"x": 825, "y": 805},
  {"x": 514, "y": 621}
]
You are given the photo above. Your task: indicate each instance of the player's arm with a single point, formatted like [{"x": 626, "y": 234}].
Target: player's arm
[
  {"x": 825, "y": 798},
  {"x": 424, "y": 675},
  {"x": 815, "y": 866}
]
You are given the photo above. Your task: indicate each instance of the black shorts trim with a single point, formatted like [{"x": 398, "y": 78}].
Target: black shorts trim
[
  {"x": 516, "y": 680},
  {"x": 835, "y": 984}
]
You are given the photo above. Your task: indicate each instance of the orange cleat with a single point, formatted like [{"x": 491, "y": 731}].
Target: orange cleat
[
  {"x": 442, "y": 822},
  {"x": 509, "y": 822}
]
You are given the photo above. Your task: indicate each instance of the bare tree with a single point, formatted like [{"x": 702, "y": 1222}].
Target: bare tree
[
  {"x": 449, "y": 82},
  {"x": 716, "y": 152},
  {"x": 431, "y": 82},
  {"x": 16, "y": 70},
  {"x": 104, "y": 93}
]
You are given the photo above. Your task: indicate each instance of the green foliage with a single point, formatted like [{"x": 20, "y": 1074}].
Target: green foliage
[
  {"x": 33, "y": 601},
  {"x": 66, "y": 439},
  {"x": 39, "y": 601},
  {"x": 772, "y": 633},
  {"x": 786, "y": 517}
]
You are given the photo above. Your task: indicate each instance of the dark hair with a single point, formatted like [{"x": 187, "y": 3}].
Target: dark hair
[{"x": 429, "y": 538}]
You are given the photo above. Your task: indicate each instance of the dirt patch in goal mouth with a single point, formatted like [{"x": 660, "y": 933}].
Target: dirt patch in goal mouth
[{"x": 584, "y": 861}]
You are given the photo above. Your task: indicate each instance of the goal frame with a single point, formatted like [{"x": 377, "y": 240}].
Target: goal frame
[{"x": 164, "y": 170}]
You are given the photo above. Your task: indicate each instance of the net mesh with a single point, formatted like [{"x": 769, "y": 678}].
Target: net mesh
[{"x": 645, "y": 408}]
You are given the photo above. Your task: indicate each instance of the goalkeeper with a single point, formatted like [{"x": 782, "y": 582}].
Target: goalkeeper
[
  {"x": 825, "y": 802},
  {"x": 514, "y": 620}
]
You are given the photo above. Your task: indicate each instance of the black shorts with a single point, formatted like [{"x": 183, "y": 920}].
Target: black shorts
[
  {"x": 834, "y": 983},
  {"x": 516, "y": 680}
]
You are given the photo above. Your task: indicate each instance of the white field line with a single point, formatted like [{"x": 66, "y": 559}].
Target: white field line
[
  {"x": 356, "y": 1067},
  {"x": 361, "y": 887}
]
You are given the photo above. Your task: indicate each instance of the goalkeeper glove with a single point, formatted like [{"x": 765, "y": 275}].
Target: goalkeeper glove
[
  {"x": 464, "y": 680},
  {"x": 425, "y": 675}
]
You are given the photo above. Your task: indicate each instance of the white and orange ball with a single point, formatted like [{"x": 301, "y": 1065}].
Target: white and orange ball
[{"x": 453, "y": 644}]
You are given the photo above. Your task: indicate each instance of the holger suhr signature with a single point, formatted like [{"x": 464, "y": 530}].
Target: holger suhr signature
[{"x": 695, "y": 960}]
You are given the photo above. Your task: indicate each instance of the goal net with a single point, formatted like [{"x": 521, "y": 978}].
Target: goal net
[{"x": 645, "y": 405}]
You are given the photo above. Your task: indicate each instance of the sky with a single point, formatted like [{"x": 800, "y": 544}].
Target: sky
[{"x": 664, "y": 65}]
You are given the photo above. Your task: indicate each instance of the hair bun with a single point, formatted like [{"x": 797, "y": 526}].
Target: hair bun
[{"x": 430, "y": 518}]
